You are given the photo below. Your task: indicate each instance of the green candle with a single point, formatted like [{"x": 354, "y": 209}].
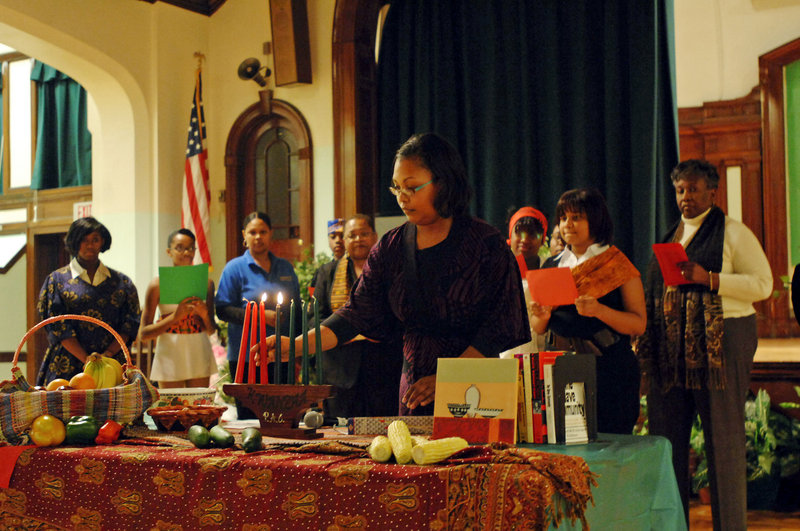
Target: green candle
[
  {"x": 304, "y": 362},
  {"x": 318, "y": 338},
  {"x": 291, "y": 373},
  {"x": 278, "y": 361}
]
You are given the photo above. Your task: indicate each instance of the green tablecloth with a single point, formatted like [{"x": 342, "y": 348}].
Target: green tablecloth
[{"x": 636, "y": 486}]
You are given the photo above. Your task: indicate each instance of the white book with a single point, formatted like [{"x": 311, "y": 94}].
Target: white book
[
  {"x": 528, "y": 383},
  {"x": 548, "y": 404},
  {"x": 575, "y": 430}
]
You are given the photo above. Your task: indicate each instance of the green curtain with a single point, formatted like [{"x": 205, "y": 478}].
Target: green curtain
[
  {"x": 539, "y": 97},
  {"x": 63, "y": 141}
]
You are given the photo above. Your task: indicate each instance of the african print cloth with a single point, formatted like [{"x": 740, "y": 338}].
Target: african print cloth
[
  {"x": 325, "y": 485},
  {"x": 114, "y": 301}
]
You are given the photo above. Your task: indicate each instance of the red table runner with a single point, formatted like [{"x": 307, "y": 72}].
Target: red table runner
[{"x": 177, "y": 486}]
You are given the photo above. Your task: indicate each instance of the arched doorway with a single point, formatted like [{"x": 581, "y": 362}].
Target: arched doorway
[
  {"x": 268, "y": 168},
  {"x": 355, "y": 109}
]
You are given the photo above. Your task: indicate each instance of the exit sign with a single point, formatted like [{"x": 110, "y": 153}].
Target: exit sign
[{"x": 81, "y": 210}]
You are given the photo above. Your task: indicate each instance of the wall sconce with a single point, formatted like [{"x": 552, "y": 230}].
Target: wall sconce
[{"x": 251, "y": 68}]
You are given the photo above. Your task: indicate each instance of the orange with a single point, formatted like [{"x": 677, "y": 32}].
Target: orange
[
  {"x": 55, "y": 384},
  {"x": 82, "y": 381}
]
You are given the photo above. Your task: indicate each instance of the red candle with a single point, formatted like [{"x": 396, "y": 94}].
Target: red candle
[
  {"x": 251, "y": 372},
  {"x": 243, "y": 347},
  {"x": 262, "y": 343}
]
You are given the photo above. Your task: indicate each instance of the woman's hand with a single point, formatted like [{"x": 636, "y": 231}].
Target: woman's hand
[
  {"x": 188, "y": 306},
  {"x": 694, "y": 273},
  {"x": 588, "y": 306},
  {"x": 421, "y": 392},
  {"x": 270, "y": 344},
  {"x": 540, "y": 317},
  {"x": 542, "y": 312}
]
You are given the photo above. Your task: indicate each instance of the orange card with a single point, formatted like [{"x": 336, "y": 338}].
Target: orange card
[{"x": 552, "y": 286}]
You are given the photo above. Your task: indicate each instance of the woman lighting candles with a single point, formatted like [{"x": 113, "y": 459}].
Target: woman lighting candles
[{"x": 445, "y": 281}]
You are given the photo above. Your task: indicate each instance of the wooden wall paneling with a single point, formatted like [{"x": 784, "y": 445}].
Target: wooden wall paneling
[
  {"x": 727, "y": 134},
  {"x": 774, "y": 171},
  {"x": 355, "y": 107}
]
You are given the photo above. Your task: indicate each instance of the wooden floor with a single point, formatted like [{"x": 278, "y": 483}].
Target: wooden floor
[{"x": 700, "y": 519}]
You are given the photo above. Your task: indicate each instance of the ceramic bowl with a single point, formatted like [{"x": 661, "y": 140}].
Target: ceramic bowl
[
  {"x": 186, "y": 396},
  {"x": 458, "y": 410},
  {"x": 488, "y": 413}
]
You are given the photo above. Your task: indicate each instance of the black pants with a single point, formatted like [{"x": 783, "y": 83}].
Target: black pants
[{"x": 722, "y": 413}]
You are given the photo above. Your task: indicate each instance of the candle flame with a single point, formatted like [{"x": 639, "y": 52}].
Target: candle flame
[
  {"x": 280, "y": 298},
  {"x": 264, "y": 297}
]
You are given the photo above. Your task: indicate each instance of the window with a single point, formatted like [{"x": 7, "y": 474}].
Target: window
[
  {"x": 277, "y": 181},
  {"x": 18, "y": 125}
]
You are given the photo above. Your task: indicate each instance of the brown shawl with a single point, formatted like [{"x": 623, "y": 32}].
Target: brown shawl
[
  {"x": 603, "y": 273},
  {"x": 682, "y": 345}
]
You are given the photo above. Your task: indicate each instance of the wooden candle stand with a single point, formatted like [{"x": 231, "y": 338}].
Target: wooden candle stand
[{"x": 280, "y": 408}]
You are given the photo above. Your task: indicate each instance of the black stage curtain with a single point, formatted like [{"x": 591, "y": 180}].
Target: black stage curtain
[{"x": 539, "y": 97}]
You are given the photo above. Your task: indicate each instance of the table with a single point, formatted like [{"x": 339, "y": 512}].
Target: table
[
  {"x": 636, "y": 486},
  {"x": 165, "y": 483}
]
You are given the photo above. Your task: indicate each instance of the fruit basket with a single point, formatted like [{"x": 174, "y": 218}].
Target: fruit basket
[
  {"x": 21, "y": 403},
  {"x": 181, "y": 418}
]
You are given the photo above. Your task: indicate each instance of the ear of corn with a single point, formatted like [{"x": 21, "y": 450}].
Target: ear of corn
[
  {"x": 418, "y": 439},
  {"x": 380, "y": 449},
  {"x": 400, "y": 439},
  {"x": 437, "y": 450}
]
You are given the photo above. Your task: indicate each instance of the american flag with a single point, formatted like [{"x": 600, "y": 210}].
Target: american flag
[{"x": 196, "y": 194}]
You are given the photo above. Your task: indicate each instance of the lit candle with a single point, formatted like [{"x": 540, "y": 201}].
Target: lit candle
[
  {"x": 262, "y": 340},
  {"x": 304, "y": 364},
  {"x": 243, "y": 346},
  {"x": 278, "y": 361},
  {"x": 251, "y": 370},
  {"x": 291, "y": 372},
  {"x": 318, "y": 338}
]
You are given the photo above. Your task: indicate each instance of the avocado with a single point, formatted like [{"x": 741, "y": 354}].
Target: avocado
[
  {"x": 199, "y": 436},
  {"x": 221, "y": 437},
  {"x": 251, "y": 440}
]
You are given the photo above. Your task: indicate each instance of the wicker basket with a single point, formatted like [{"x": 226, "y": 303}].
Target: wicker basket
[{"x": 20, "y": 404}]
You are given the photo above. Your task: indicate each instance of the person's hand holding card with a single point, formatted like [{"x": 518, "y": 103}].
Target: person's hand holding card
[{"x": 553, "y": 286}]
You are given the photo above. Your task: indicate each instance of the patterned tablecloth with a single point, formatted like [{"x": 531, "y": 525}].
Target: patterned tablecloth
[{"x": 165, "y": 483}]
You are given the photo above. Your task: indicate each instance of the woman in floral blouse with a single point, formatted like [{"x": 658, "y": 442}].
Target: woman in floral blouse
[{"x": 85, "y": 286}]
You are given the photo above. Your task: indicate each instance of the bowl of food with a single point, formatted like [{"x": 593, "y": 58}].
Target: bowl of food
[
  {"x": 181, "y": 418},
  {"x": 186, "y": 396}
]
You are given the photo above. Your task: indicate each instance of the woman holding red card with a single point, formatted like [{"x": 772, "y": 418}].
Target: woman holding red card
[
  {"x": 697, "y": 352},
  {"x": 609, "y": 309}
]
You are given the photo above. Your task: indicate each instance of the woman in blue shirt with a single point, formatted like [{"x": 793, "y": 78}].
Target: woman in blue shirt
[{"x": 248, "y": 277}]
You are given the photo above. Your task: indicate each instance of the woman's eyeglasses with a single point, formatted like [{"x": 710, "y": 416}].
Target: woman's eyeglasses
[{"x": 408, "y": 193}]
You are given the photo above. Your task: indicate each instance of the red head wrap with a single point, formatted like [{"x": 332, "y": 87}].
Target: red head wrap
[{"x": 526, "y": 212}]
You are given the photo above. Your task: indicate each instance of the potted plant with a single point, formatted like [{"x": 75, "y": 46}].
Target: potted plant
[
  {"x": 307, "y": 267},
  {"x": 763, "y": 467},
  {"x": 697, "y": 445}
]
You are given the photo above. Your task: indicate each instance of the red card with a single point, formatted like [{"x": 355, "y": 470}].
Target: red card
[
  {"x": 668, "y": 256},
  {"x": 552, "y": 286}
]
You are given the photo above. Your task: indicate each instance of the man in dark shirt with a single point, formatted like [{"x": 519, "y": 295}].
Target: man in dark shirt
[{"x": 366, "y": 374}]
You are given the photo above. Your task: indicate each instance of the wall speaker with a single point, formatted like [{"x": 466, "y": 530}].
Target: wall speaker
[{"x": 290, "y": 43}]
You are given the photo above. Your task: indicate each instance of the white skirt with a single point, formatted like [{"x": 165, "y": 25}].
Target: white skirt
[{"x": 182, "y": 357}]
